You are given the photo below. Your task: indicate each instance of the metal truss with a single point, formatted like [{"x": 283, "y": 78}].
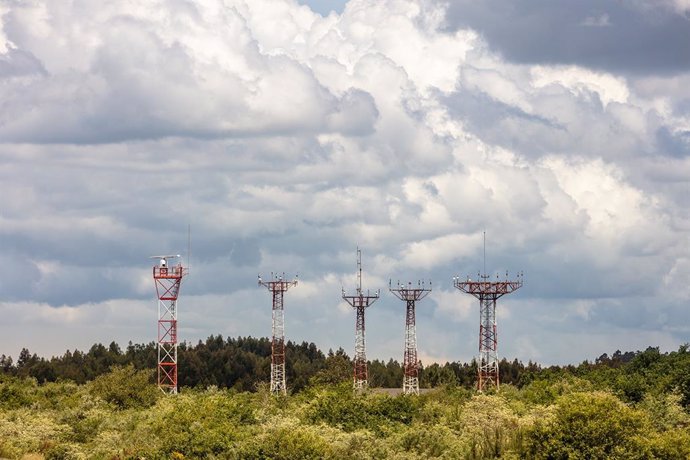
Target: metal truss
[
  {"x": 410, "y": 295},
  {"x": 488, "y": 292},
  {"x": 360, "y": 302},
  {"x": 168, "y": 281},
  {"x": 278, "y": 287}
]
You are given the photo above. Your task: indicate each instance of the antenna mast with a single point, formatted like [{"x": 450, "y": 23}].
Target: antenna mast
[
  {"x": 167, "y": 280},
  {"x": 189, "y": 246},
  {"x": 278, "y": 286},
  {"x": 360, "y": 302},
  {"x": 410, "y": 295},
  {"x": 488, "y": 292}
]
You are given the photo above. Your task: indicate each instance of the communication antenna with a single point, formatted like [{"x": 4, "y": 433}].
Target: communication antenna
[
  {"x": 484, "y": 272},
  {"x": 189, "y": 246},
  {"x": 360, "y": 302},
  {"x": 488, "y": 292}
]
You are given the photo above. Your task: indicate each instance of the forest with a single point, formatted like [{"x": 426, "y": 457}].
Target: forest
[{"x": 103, "y": 404}]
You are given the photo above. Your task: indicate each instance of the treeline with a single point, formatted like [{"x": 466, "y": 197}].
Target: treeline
[{"x": 243, "y": 363}]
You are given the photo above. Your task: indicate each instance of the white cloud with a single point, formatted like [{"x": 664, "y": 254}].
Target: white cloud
[
  {"x": 609, "y": 87},
  {"x": 287, "y": 139}
]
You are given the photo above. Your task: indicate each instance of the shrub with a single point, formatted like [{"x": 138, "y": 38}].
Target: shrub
[
  {"x": 588, "y": 426},
  {"x": 125, "y": 388}
]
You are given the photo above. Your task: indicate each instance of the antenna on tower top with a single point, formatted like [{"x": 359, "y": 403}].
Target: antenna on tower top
[
  {"x": 359, "y": 271},
  {"x": 484, "y": 252},
  {"x": 189, "y": 246}
]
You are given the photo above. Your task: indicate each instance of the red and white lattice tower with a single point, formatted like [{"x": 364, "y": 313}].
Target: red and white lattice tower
[
  {"x": 167, "y": 279},
  {"x": 360, "y": 302},
  {"x": 410, "y": 295},
  {"x": 278, "y": 287},
  {"x": 488, "y": 292}
]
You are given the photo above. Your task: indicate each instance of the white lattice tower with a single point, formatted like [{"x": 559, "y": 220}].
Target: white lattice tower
[
  {"x": 488, "y": 343},
  {"x": 410, "y": 295},
  {"x": 410, "y": 367},
  {"x": 278, "y": 287}
]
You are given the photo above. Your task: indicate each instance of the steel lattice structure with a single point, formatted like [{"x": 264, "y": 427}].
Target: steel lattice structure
[
  {"x": 410, "y": 295},
  {"x": 360, "y": 302},
  {"x": 278, "y": 287},
  {"x": 167, "y": 280},
  {"x": 488, "y": 292}
]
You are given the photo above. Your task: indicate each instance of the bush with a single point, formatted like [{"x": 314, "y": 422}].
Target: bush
[
  {"x": 588, "y": 426},
  {"x": 125, "y": 388},
  {"x": 342, "y": 408}
]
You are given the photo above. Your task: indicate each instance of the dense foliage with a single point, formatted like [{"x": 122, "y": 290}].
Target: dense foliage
[
  {"x": 627, "y": 406},
  {"x": 241, "y": 364}
]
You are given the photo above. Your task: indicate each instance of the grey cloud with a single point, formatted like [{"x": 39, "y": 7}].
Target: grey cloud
[
  {"x": 356, "y": 115},
  {"x": 499, "y": 123},
  {"x": 17, "y": 63},
  {"x": 638, "y": 40},
  {"x": 674, "y": 144}
]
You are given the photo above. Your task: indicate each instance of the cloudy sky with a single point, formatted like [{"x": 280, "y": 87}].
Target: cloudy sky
[{"x": 288, "y": 133}]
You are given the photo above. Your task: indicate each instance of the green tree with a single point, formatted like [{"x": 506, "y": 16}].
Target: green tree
[{"x": 125, "y": 388}]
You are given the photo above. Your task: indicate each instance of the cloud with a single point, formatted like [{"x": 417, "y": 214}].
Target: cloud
[
  {"x": 640, "y": 37},
  {"x": 136, "y": 80},
  {"x": 597, "y": 21},
  {"x": 287, "y": 139}
]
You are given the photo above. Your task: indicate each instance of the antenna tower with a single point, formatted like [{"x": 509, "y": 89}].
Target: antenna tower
[
  {"x": 278, "y": 286},
  {"x": 360, "y": 302},
  {"x": 167, "y": 280},
  {"x": 410, "y": 295},
  {"x": 488, "y": 292}
]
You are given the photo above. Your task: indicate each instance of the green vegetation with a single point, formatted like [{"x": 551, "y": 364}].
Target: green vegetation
[{"x": 628, "y": 406}]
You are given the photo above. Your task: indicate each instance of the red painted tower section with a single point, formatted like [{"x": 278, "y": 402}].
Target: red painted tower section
[{"x": 167, "y": 280}]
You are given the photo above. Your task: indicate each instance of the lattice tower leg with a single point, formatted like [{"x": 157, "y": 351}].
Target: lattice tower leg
[
  {"x": 488, "y": 344},
  {"x": 278, "y": 345},
  {"x": 167, "y": 346},
  {"x": 361, "y": 377},
  {"x": 410, "y": 367}
]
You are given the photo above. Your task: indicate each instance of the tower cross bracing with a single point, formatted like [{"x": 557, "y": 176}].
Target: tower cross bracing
[
  {"x": 410, "y": 295},
  {"x": 167, "y": 280},
  {"x": 488, "y": 292},
  {"x": 278, "y": 286},
  {"x": 360, "y": 302}
]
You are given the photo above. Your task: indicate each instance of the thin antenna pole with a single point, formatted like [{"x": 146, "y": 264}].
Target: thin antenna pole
[
  {"x": 359, "y": 271},
  {"x": 189, "y": 245},
  {"x": 484, "y": 252}
]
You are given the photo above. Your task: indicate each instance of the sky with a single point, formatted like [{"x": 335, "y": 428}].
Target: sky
[{"x": 287, "y": 134}]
